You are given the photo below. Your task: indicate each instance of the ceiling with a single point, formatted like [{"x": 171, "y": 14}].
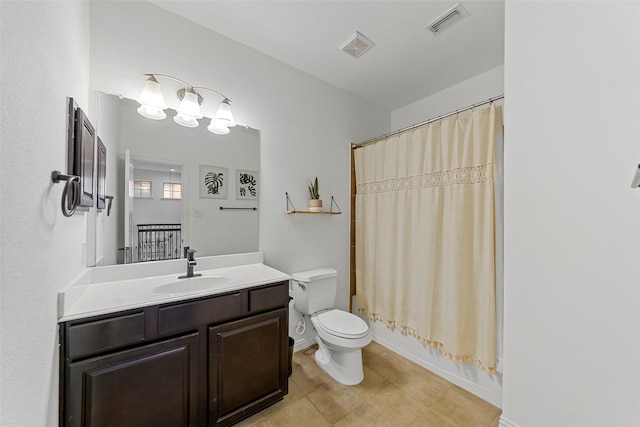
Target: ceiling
[{"x": 407, "y": 62}]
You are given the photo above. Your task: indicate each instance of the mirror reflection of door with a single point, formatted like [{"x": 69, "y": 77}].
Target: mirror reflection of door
[
  {"x": 128, "y": 206},
  {"x": 155, "y": 229}
]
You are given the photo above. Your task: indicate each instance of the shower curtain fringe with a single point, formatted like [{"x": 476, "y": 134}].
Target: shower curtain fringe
[
  {"x": 426, "y": 122},
  {"x": 408, "y": 331}
]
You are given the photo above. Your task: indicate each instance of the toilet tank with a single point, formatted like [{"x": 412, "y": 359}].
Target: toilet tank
[{"x": 315, "y": 290}]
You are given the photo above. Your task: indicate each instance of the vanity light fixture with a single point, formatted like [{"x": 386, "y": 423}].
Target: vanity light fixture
[{"x": 152, "y": 105}]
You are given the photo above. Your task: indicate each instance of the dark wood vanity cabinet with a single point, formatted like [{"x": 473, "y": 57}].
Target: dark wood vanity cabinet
[
  {"x": 206, "y": 361},
  {"x": 247, "y": 366},
  {"x": 116, "y": 389}
]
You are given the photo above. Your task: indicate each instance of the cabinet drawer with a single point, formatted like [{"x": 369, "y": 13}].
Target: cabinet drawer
[
  {"x": 95, "y": 337},
  {"x": 271, "y": 297},
  {"x": 180, "y": 317}
]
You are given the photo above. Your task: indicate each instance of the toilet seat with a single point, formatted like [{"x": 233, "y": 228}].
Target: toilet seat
[{"x": 342, "y": 324}]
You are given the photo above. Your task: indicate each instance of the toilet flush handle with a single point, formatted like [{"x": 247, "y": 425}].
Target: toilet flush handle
[{"x": 303, "y": 286}]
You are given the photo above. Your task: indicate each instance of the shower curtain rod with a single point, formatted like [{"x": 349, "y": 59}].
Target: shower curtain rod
[{"x": 426, "y": 122}]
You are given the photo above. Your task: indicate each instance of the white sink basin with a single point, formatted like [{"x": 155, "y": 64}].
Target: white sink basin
[{"x": 193, "y": 284}]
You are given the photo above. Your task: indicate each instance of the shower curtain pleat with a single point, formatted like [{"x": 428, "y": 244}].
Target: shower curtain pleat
[{"x": 425, "y": 234}]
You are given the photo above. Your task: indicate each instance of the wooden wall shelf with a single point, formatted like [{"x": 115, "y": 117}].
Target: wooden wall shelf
[{"x": 291, "y": 210}]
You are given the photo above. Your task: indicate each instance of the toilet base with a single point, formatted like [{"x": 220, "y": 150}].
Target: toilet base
[{"x": 343, "y": 366}]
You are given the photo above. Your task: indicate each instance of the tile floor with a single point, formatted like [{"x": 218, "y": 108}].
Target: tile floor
[{"x": 395, "y": 392}]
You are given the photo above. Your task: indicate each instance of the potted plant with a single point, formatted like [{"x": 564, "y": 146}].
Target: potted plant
[{"x": 315, "y": 204}]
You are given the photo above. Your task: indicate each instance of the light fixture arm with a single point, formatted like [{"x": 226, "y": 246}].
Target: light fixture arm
[
  {"x": 188, "y": 86},
  {"x": 171, "y": 78},
  {"x": 224, "y": 98}
]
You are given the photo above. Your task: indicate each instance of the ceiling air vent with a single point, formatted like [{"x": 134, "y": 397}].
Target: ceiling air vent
[
  {"x": 447, "y": 19},
  {"x": 356, "y": 44}
]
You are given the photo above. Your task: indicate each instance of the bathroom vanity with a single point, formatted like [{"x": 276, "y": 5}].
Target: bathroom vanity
[{"x": 179, "y": 356}]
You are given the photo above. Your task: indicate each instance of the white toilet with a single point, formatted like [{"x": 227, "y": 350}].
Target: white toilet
[{"x": 340, "y": 335}]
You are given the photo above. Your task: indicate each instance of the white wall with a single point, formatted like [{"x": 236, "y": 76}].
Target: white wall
[
  {"x": 108, "y": 236},
  {"x": 44, "y": 59},
  {"x": 572, "y": 342},
  {"x": 572, "y": 143},
  {"x": 469, "y": 377},
  {"x": 479, "y": 88},
  {"x": 305, "y": 125}
]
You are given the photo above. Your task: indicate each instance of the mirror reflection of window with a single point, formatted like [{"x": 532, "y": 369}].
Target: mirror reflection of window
[
  {"x": 142, "y": 189},
  {"x": 172, "y": 190}
]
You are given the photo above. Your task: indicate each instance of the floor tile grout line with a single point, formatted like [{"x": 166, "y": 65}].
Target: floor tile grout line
[{"x": 400, "y": 367}]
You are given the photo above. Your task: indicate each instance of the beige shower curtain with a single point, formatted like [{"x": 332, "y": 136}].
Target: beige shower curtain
[{"x": 425, "y": 234}]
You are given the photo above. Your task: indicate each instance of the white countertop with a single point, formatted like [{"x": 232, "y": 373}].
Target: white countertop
[{"x": 99, "y": 291}]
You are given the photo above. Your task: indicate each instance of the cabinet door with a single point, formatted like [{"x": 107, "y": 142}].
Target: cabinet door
[
  {"x": 151, "y": 385},
  {"x": 247, "y": 366}
]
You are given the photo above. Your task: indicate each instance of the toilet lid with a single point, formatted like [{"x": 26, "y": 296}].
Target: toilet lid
[{"x": 342, "y": 324}]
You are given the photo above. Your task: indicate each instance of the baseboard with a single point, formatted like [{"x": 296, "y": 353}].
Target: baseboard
[
  {"x": 506, "y": 423},
  {"x": 492, "y": 393},
  {"x": 301, "y": 344}
]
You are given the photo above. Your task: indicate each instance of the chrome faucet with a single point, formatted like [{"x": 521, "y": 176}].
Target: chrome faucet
[{"x": 191, "y": 261}]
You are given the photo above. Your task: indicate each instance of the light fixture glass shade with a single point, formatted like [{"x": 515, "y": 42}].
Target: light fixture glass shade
[
  {"x": 189, "y": 105},
  {"x": 151, "y": 113},
  {"x": 217, "y": 127},
  {"x": 224, "y": 114},
  {"x": 188, "y": 110},
  {"x": 151, "y": 100},
  {"x": 185, "y": 120}
]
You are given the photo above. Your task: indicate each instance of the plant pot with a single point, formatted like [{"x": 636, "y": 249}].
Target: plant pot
[{"x": 315, "y": 205}]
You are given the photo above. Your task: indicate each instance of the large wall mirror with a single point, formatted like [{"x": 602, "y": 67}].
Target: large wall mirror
[{"x": 174, "y": 187}]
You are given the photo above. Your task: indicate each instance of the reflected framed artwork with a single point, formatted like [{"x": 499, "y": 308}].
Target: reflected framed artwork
[
  {"x": 246, "y": 185},
  {"x": 213, "y": 182}
]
